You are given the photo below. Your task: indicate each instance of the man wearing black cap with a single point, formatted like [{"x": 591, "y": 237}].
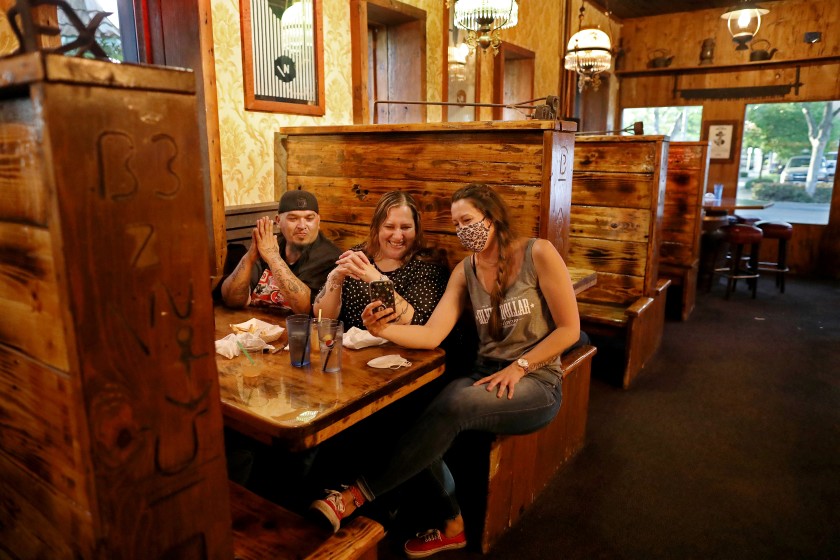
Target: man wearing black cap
[{"x": 285, "y": 271}]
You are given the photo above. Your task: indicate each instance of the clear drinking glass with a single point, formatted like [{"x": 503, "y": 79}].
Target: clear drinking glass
[
  {"x": 330, "y": 339},
  {"x": 299, "y": 331},
  {"x": 718, "y": 191}
]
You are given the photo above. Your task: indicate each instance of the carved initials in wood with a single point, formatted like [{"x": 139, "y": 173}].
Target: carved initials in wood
[{"x": 116, "y": 154}]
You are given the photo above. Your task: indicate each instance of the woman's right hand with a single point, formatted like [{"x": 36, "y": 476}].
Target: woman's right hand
[{"x": 377, "y": 321}]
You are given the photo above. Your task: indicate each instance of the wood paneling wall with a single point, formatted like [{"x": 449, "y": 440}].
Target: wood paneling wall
[
  {"x": 349, "y": 168},
  {"x": 784, "y": 27}
]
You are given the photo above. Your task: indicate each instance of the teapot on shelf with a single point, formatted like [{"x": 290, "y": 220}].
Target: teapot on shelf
[
  {"x": 763, "y": 53},
  {"x": 659, "y": 58}
]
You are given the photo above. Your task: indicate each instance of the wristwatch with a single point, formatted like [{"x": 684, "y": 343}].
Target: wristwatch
[{"x": 523, "y": 363}]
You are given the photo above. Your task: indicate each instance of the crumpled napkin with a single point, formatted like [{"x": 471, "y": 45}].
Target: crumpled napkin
[
  {"x": 266, "y": 331},
  {"x": 391, "y": 361},
  {"x": 357, "y": 338},
  {"x": 229, "y": 345}
]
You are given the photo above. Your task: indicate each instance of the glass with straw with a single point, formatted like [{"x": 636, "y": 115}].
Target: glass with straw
[{"x": 330, "y": 338}]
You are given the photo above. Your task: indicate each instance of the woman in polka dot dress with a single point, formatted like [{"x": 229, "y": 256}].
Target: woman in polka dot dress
[{"x": 395, "y": 250}]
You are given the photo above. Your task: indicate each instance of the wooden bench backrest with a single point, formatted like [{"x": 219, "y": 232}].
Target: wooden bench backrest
[
  {"x": 349, "y": 168},
  {"x": 688, "y": 170},
  {"x": 618, "y": 195}
]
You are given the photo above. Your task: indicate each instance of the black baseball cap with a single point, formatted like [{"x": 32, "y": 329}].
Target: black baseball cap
[{"x": 298, "y": 201}]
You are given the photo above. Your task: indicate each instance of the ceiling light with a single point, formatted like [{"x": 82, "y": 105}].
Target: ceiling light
[
  {"x": 483, "y": 19},
  {"x": 743, "y": 21},
  {"x": 589, "y": 54}
]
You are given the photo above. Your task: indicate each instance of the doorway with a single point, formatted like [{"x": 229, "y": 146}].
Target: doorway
[
  {"x": 388, "y": 43},
  {"x": 513, "y": 80}
]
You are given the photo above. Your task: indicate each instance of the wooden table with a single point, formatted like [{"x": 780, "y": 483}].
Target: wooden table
[
  {"x": 299, "y": 408},
  {"x": 582, "y": 278},
  {"x": 726, "y": 205}
]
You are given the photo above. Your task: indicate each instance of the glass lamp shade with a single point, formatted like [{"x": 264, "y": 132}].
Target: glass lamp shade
[
  {"x": 486, "y": 15},
  {"x": 588, "y": 52},
  {"x": 743, "y": 21}
]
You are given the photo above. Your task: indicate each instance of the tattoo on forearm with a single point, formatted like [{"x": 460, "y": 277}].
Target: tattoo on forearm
[{"x": 543, "y": 363}]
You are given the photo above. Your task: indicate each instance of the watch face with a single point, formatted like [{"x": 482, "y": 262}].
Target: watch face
[{"x": 523, "y": 363}]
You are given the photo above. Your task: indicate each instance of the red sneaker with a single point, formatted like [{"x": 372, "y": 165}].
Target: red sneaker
[
  {"x": 331, "y": 507},
  {"x": 432, "y": 541}
]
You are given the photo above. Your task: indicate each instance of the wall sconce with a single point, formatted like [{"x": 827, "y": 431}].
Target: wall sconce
[
  {"x": 589, "y": 54},
  {"x": 483, "y": 19},
  {"x": 743, "y": 21}
]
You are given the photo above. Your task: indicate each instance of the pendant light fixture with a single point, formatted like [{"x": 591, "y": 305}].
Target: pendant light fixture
[
  {"x": 743, "y": 21},
  {"x": 482, "y": 19},
  {"x": 589, "y": 54}
]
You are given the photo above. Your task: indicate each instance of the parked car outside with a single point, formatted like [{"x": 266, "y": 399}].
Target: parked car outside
[
  {"x": 830, "y": 165},
  {"x": 796, "y": 170}
]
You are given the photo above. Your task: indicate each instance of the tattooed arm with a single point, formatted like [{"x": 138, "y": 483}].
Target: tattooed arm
[
  {"x": 236, "y": 288},
  {"x": 328, "y": 300},
  {"x": 297, "y": 293}
]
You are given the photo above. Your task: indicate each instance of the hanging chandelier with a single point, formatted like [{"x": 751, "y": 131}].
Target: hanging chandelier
[
  {"x": 589, "y": 54},
  {"x": 482, "y": 19},
  {"x": 743, "y": 21}
]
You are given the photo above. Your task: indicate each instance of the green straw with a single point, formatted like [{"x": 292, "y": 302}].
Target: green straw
[{"x": 247, "y": 355}]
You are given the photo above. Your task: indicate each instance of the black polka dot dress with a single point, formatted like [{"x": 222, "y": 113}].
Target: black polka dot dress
[{"x": 421, "y": 283}]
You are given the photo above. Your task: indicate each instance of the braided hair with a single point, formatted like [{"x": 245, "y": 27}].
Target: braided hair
[{"x": 489, "y": 203}]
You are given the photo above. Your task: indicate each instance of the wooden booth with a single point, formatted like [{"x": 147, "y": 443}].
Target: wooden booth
[
  {"x": 530, "y": 165},
  {"x": 618, "y": 202},
  {"x": 682, "y": 221},
  {"x": 112, "y": 442}
]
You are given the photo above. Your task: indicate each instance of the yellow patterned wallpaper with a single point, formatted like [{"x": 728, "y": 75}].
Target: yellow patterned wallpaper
[{"x": 247, "y": 137}]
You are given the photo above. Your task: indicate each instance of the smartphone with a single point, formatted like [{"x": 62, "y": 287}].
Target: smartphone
[{"x": 382, "y": 290}]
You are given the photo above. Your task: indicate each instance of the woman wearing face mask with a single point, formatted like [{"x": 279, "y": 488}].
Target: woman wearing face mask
[
  {"x": 395, "y": 250},
  {"x": 526, "y": 316}
]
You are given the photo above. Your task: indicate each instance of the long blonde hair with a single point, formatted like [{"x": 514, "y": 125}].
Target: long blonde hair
[{"x": 489, "y": 203}]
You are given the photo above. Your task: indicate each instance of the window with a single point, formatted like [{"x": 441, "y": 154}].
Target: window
[
  {"x": 680, "y": 123},
  {"x": 115, "y": 34},
  {"x": 789, "y": 156}
]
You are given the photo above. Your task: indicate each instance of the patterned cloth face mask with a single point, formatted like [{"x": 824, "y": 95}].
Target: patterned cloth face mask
[{"x": 474, "y": 236}]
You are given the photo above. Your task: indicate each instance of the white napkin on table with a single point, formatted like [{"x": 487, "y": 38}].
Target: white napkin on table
[
  {"x": 357, "y": 338},
  {"x": 229, "y": 346},
  {"x": 266, "y": 331}
]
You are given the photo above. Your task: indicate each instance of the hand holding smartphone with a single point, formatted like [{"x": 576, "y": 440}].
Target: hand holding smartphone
[{"x": 382, "y": 290}]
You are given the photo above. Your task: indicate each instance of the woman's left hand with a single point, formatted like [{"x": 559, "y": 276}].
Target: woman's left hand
[{"x": 503, "y": 379}]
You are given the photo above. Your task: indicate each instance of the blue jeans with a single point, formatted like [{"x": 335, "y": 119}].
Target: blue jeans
[{"x": 459, "y": 407}]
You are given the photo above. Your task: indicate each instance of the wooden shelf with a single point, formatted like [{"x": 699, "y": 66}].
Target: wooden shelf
[{"x": 725, "y": 68}]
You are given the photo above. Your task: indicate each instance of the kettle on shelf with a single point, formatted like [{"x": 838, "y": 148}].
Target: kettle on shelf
[
  {"x": 763, "y": 53},
  {"x": 659, "y": 59}
]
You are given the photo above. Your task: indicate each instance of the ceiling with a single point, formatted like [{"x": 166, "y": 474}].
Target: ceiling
[{"x": 624, "y": 9}]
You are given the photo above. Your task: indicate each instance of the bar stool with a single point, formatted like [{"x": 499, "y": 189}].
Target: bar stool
[
  {"x": 781, "y": 231},
  {"x": 738, "y": 236}
]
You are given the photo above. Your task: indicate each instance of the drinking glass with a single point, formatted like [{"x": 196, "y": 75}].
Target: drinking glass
[
  {"x": 330, "y": 340},
  {"x": 299, "y": 329},
  {"x": 718, "y": 191}
]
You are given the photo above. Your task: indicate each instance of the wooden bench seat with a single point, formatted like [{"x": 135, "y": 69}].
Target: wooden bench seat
[
  {"x": 263, "y": 530},
  {"x": 518, "y": 467},
  {"x": 618, "y": 197}
]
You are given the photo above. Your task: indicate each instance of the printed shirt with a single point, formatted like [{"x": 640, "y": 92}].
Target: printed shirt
[
  {"x": 526, "y": 317},
  {"x": 311, "y": 268}
]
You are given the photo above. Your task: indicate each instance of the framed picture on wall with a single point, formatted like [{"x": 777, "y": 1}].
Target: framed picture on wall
[
  {"x": 283, "y": 56},
  {"x": 721, "y": 135}
]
